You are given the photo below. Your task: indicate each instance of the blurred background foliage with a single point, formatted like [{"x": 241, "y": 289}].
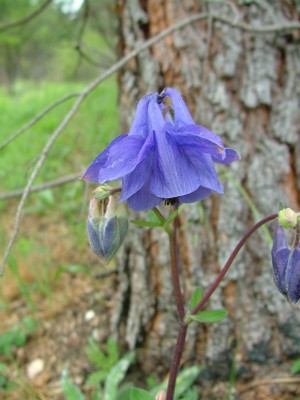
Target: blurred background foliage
[{"x": 52, "y": 55}]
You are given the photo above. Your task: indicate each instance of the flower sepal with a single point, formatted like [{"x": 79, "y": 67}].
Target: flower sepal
[
  {"x": 107, "y": 225},
  {"x": 286, "y": 264}
]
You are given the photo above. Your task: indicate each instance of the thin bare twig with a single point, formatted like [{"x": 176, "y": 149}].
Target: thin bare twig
[
  {"x": 194, "y": 18},
  {"x": 114, "y": 68},
  {"x": 273, "y": 28},
  {"x": 39, "y": 116},
  {"x": 86, "y": 57},
  {"x": 26, "y": 19},
  {"x": 38, "y": 188}
]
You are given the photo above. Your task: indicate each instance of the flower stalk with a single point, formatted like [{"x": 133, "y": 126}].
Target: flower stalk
[
  {"x": 180, "y": 309},
  {"x": 183, "y": 319}
]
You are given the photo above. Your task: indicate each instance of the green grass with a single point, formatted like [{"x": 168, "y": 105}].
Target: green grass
[
  {"x": 94, "y": 125},
  {"x": 92, "y": 128}
]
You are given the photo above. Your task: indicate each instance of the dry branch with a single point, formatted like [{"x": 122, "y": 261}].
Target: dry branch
[
  {"x": 38, "y": 188},
  {"x": 26, "y": 19}
]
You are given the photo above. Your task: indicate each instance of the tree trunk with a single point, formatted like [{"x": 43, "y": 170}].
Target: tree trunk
[{"x": 245, "y": 87}]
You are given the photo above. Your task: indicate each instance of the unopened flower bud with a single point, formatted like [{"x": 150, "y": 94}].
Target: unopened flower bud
[
  {"x": 107, "y": 226},
  {"x": 161, "y": 395},
  {"x": 287, "y": 218},
  {"x": 102, "y": 192},
  {"x": 286, "y": 265}
]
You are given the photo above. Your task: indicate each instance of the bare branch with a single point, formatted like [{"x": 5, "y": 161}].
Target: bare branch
[
  {"x": 38, "y": 188},
  {"x": 34, "y": 120},
  {"x": 255, "y": 29},
  {"x": 113, "y": 69},
  {"x": 86, "y": 57},
  {"x": 27, "y": 18}
]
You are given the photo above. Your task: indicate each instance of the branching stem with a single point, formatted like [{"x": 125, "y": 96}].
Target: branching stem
[
  {"x": 179, "y": 298},
  {"x": 229, "y": 262}
]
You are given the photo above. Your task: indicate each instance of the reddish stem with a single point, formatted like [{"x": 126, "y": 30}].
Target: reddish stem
[
  {"x": 176, "y": 361},
  {"x": 228, "y": 264},
  {"x": 180, "y": 311},
  {"x": 179, "y": 299},
  {"x": 175, "y": 272}
]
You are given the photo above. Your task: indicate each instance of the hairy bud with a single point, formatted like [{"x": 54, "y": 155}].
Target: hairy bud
[
  {"x": 107, "y": 226},
  {"x": 287, "y": 218}
]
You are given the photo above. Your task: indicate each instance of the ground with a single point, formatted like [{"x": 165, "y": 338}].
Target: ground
[{"x": 71, "y": 305}]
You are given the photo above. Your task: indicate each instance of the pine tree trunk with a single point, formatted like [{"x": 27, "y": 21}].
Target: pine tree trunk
[{"x": 245, "y": 87}]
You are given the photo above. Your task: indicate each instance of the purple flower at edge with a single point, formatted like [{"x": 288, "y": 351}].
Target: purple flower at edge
[
  {"x": 164, "y": 157},
  {"x": 286, "y": 265}
]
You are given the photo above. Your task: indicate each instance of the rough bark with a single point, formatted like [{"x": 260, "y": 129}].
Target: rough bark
[{"x": 245, "y": 87}]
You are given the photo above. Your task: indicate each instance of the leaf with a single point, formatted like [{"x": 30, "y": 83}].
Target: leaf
[
  {"x": 96, "y": 377},
  {"x": 155, "y": 217},
  {"x": 139, "y": 394},
  {"x": 96, "y": 356},
  {"x": 71, "y": 391},
  {"x": 116, "y": 375},
  {"x": 173, "y": 215},
  {"x": 295, "y": 367},
  {"x": 124, "y": 391},
  {"x": 185, "y": 380},
  {"x": 113, "y": 351},
  {"x": 97, "y": 395},
  {"x": 191, "y": 394},
  {"x": 195, "y": 299},
  {"x": 210, "y": 316},
  {"x": 30, "y": 324}
]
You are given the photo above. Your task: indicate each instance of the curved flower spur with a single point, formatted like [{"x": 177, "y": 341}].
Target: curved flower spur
[{"x": 164, "y": 157}]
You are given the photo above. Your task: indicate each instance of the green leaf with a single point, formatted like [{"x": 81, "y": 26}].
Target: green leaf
[
  {"x": 116, "y": 375},
  {"x": 139, "y": 394},
  {"x": 191, "y": 394},
  {"x": 210, "y": 316},
  {"x": 113, "y": 351},
  {"x": 97, "y": 395},
  {"x": 124, "y": 391},
  {"x": 96, "y": 377},
  {"x": 185, "y": 380},
  {"x": 195, "y": 299},
  {"x": 96, "y": 356},
  {"x": 30, "y": 324},
  {"x": 155, "y": 217},
  {"x": 71, "y": 391},
  {"x": 174, "y": 215},
  {"x": 295, "y": 367},
  {"x": 148, "y": 224}
]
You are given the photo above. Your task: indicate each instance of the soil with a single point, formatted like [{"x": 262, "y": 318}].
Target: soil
[{"x": 78, "y": 308}]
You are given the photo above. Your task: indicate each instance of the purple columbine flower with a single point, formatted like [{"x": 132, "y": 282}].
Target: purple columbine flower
[
  {"x": 286, "y": 265},
  {"x": 164, "y": 157}
]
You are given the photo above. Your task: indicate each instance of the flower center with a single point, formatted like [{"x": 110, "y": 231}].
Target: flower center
[{"x": 173, "y": 201}]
